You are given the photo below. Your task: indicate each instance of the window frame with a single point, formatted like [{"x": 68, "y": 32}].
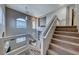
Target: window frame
[
  {"x": 19, "y": 23},
  {"x": 20, "y": 39}
]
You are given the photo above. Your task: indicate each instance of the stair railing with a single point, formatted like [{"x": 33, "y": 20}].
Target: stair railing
[
  {"x": 10, "y": 39},
  {"x": 24, "y": 45},
  {"x": 47, "y": 35},
  {"x": 45, "y": 40}
]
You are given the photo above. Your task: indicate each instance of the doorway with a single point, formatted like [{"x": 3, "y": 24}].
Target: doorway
[{"x": 73, "y": 17}]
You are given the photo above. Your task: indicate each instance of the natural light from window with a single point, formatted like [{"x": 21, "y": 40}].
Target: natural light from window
[
  {"x": 33, "y": 24},
  {"x": 20, "y": 23},
  {"x": 21, "y": 39}
]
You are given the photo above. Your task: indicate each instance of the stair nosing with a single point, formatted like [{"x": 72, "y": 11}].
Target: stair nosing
[
  {"x": 67, "y": 42},
  {"x": 65, "y": 49},
  {"x": 66, "y": 36}
]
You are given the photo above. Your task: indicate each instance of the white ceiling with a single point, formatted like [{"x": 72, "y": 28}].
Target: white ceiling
[{"x": 34, "y": 9}]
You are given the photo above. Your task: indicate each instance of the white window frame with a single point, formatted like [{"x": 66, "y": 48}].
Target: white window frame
[
  {"x": 20, "y": 39},
  {"x": 20, "y": 23}
]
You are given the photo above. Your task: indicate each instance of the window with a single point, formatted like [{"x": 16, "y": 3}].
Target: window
[
  {"x": 21, "y": 39},
  {"x": 20, "y": 23}
]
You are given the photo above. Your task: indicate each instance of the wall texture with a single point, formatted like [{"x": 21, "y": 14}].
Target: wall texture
[
  {"x": 11, "y": 16},
  {"x": 77, "y": 15},
  {"x": 61, "y": 13}
]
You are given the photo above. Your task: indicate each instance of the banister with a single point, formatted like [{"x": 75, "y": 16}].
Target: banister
[
  {"x": 13, "y": 37},
  {"x": 45, "y": 33},
  {"x": 49, "y": 29}
]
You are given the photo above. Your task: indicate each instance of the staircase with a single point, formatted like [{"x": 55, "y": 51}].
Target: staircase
[{"x": 65, "y": 41}]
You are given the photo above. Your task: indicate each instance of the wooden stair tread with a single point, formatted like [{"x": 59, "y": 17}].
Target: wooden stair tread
[
  {"x": 65, "y": 49},
  {"x": 51, "y": 52},
  {"x": 66, "y": 36},
  {"x": 67, "y": 42},
  {"x": 68, "y": 32},
  {"x": 75, "y": 34},
  {"x": 66, "y": 26}
]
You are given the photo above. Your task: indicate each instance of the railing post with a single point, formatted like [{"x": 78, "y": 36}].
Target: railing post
[{"x": 41, "y": 46}]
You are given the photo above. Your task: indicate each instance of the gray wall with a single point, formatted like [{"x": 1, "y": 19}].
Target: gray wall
[
  {"x": 42, "y": 21},
  {"x": 61, "y": 13},
  {"x": 11, "y": 16},
  {"x": 77, "y": 15}
]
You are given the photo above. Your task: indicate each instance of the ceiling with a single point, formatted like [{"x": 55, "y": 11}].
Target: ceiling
[{"x": 35, "y": 9}]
